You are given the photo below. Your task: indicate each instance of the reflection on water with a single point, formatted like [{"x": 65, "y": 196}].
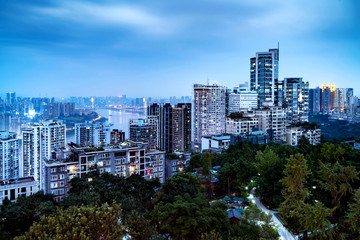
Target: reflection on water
[{"x": 118, "y": 119}]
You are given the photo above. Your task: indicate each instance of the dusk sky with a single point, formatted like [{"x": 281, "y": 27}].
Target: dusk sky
[{"x": 161, "y": 48}]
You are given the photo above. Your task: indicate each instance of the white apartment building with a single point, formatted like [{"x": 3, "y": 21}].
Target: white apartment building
[
  {"x": 39, "y": 142},
  {"x": 243, "y": 100},
  {"x": 92, "y": 134},
  {"x": 10, "y": 165},
  {"x": 14, "y": 188},
  {"x": 294, "y": 134},
  {"x": 272, "y": 117},
  {"x": 215, "y": 143},
  {"x": 208, "y": 112},
  {"x": 244, "y": 123},
  {"x": 122, "y": 160}
]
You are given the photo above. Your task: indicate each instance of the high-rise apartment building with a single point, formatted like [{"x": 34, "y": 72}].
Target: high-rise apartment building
[
  {"x": 328, "y": 98},
  {"x": 181, "y": 127},
  {"x": 208, "y": 112},
  {"x": 10, "y": 165},
  {"x": 349, "y": 93},
  {"x": 242, "y": 100},
  {"x": 39, "y": 142},
  {"x": 145, "y": 130},
  {"x": 264, "y": 76},
  {"x": 272, "y": 117},
  {"x": 296, "y": 100},
  {"x": 174, "y": 128},
  {"x": 165, "y": 127},
  {"x": 340, "y": 99},
  {"x": 92, "y": 134},
  {"x": 315, "y": 100},
  {"x": 10, "y": 98}
]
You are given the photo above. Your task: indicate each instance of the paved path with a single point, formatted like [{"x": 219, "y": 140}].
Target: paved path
[{"x": 284, "y": 233}]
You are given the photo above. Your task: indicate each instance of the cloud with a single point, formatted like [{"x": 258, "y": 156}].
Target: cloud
[{"x": 128, "y": 16}]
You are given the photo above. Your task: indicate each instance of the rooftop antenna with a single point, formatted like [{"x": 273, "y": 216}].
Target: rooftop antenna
[{"x": 207, "y": 78}]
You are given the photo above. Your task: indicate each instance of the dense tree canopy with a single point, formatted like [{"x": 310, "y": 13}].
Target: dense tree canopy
[{"x": 82, "y": 223}]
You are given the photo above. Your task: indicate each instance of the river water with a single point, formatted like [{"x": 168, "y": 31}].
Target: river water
[{"x": 118, "y": 120}]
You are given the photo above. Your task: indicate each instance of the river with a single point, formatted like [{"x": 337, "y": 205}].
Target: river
[{"x": 118, "y": 119}]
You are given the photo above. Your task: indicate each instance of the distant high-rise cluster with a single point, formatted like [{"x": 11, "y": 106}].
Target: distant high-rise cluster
[{"x": 328, "y": 99}]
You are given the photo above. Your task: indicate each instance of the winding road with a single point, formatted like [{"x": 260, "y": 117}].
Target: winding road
[{"x": 283, "y": 232}]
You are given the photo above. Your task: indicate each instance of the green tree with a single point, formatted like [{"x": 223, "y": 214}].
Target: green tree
[
  {"x": 336, "y": 179},
  {"x": 299, "y": 215},
  {"x": 94, "y": 188},
  {"x": 17, "y": 217},
  {"x": 190, "y": 218},
  {"x": 139, "y": 227},
  {"x": 294, "y": 191},
  {"x": 79, "y": 223},
  {"x": 195, "y": 162},
  {"x": 331, "y": 153},
  {"x": 206, "y": 163},
  {"x": 265, "y": 160},
  {"x": 351, "y": 225},
  {"x": 314, "y": 220},
  {"x": 179, "y": 184},
  {"x": 265, "y": 227}
]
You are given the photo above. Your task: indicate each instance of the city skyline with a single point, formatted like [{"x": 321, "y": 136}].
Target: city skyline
[{"x": 107, "y": 48}]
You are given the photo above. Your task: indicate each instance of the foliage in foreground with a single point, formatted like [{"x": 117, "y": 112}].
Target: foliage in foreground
[{"x": 79, "y": 223}]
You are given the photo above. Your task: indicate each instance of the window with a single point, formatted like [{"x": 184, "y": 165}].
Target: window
[
  {"x": 54, "y": 192},
  {"x": 120, "y": 154},
  {"x": 62, "y": 176},
  {"x": 54, "y": 177},
  {"x": 62, "y": 183},
  {"x": 53, "y": 170},
  {"x": 54, "y": 185}
]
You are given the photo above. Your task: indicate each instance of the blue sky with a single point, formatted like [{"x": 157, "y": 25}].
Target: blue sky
[{"x": 161, "y": 48}]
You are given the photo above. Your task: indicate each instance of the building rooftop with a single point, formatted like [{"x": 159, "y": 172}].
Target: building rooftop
[
  {"x": 16, "y": 180},
  {"x": 7, "y": 135}
]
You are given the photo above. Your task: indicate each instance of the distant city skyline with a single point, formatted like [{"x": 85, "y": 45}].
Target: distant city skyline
[{"x": 157, "y": 48}]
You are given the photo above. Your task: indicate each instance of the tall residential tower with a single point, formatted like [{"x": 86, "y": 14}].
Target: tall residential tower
[{"x": 208, "y": 112}]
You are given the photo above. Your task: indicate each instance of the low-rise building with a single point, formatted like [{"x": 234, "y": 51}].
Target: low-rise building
[
  {"x": 255, "y": 137},
  {"x": 122, "y": 160},
  {"x": 215, "y": 143},
  {"x": 12, "y": 189},
  {"x": 294, "y": 134},
  {"x": 176, "y": 163},
  {"x": 241, "y": 122}
]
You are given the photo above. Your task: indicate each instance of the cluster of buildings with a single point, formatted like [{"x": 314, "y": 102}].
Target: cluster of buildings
[
  {"x": 97, "y": 134},
  {"x": 42, "y": 161},
  {"x": 265, "y": 110},
  {"x": 16, "y": 112},
  {"x": 159, "y": 145},
  {"x": 330, "y": 100}
]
